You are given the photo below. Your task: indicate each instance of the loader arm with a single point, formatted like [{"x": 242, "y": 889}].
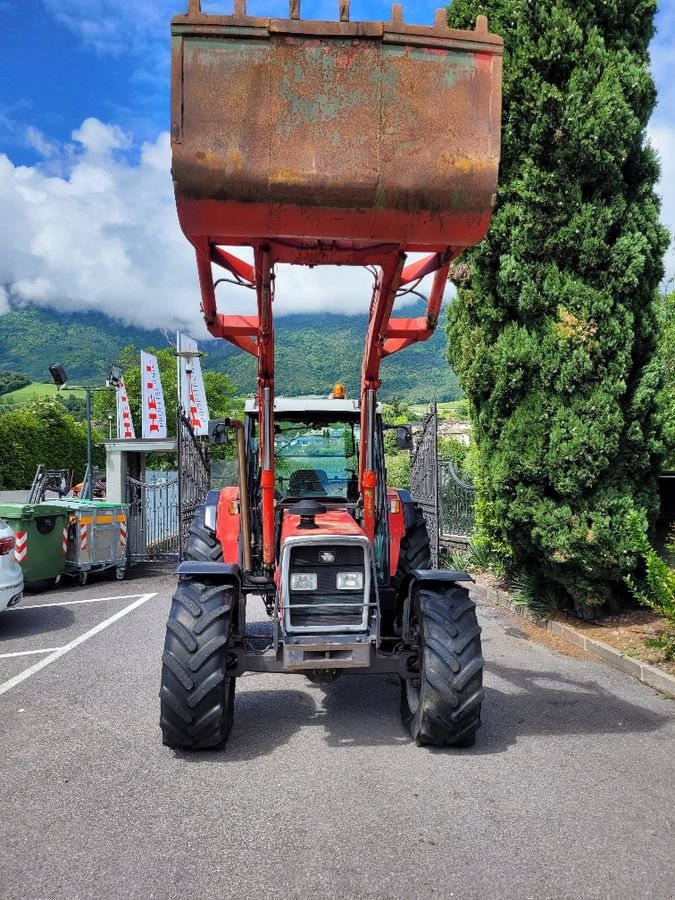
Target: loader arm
[{"x": 331, "y": 143}]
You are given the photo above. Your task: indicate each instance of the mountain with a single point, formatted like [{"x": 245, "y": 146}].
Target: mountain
[{"x": 313, "y": 351}]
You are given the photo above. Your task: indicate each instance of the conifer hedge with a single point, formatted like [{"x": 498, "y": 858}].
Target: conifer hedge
[{"x": 554, "y": 330}]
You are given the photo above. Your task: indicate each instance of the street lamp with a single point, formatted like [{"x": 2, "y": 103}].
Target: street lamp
[{"x": 60, "y": 377}]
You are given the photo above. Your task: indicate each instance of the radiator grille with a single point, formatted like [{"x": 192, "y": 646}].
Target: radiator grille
[{"x": 329, "y": 607}]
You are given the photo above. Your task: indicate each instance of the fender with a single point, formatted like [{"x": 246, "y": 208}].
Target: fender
[
  {"x": 427, "y": 577},
  {"x": 221, "y": 570},
  {"x": 433, "y": 576}
]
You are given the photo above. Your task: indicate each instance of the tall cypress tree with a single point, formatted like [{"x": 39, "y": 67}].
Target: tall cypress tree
[{"x": 553, "y": 333}]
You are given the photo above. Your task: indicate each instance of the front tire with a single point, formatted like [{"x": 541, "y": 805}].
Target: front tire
[
  {"x": 197, "y": 695},
  {"x": 441, "y": 705}
]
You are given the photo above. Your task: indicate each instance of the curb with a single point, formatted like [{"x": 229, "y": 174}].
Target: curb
[{"x": 649, "y": 675}]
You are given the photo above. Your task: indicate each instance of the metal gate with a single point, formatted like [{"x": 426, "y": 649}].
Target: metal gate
[
  {"x": 153, "y": 516},
  {"x": 457, "y": 501},
  {"x": 193, "y": 476},
  {"x": 424, "y": 478}
]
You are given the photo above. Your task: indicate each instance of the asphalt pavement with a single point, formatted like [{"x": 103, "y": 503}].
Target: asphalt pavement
[{"x": 568, "y": 793}]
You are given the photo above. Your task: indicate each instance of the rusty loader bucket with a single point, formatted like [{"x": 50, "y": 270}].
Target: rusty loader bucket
[{"x": 358, "y": 132}]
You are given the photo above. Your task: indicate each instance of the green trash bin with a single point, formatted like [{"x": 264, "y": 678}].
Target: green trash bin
[{"x": 41, "y": 539}]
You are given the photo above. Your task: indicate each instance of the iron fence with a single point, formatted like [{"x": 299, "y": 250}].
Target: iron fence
[
  {"x": 424, "y": 478},
  {"x": 457, "y": 501}
]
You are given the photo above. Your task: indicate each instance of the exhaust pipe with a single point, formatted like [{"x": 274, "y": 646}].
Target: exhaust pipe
[{"x": 244, "y": 509}]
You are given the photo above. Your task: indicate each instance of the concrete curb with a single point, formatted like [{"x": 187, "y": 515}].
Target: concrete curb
[{"x": 649, "y": 675}]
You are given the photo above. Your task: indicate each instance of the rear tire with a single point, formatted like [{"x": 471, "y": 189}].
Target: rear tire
[
  {"x": 415, "y": 550},
  {"x": 441, "y": 707},
  {"x": 197, "y": 695},
  {"x": 202, "y": 544}
]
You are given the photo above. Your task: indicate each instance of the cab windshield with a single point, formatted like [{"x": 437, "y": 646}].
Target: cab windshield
[{"x": 318, "y": 459}]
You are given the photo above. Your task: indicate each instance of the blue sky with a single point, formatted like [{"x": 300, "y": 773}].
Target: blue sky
[{"x": 88, "y": 220}]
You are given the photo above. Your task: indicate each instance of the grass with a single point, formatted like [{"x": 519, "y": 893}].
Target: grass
[{"x": 36, "y": 389}]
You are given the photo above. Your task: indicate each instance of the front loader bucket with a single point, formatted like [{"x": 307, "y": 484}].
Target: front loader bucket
[{"x": 358, "y": 132}]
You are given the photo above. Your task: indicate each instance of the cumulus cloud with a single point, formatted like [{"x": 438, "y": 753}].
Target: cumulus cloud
[{"x": 103, "y": 235}]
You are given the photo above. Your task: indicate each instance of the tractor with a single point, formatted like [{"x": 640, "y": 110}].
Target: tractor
[{"x": 325, "y": 143}]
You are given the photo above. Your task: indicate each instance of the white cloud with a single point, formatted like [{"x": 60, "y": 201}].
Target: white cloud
[
  {"x": 103, "y": 235},
  {"x": 35, "y": 138},
  {"x": 115, "y": 27}
]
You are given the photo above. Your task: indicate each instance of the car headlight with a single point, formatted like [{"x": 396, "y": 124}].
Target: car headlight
[
  {"x": 350, "y": 581},
  {"x": 303, "y": 581}
]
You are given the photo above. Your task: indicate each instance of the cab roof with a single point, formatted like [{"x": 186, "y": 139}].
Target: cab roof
[{"x": 310, "y": 405}]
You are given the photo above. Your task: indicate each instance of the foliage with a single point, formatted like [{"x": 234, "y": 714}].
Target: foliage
[
  {"x": 667, "y": 393},
  {"x": 554, "y": 331},
  {"x": 397, "y": 462},
  {"x": 11, "y": 381},
  {"x": 398, "y": 469},
  {"x": 456, "y": 452},
  {"x": 312, "y": 353},
  {"x": 657, "y": 591},
  {"x": 41, "y": 432},
  {"x": 542, "y": 598},
  {"x": 476, "y": 558}
]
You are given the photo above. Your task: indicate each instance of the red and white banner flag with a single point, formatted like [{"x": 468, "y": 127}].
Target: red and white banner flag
[
  {"x": 125, "y": 425},
  {"x": 191, "y": 393},
  {"x": 154, "y": 414}
]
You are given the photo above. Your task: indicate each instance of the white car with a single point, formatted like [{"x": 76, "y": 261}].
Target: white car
[{"x": 11, "y": 574}]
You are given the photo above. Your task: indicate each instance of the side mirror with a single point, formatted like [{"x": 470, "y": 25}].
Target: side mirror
[
  {"x": 218, "y": 431},
  {"x": 404, "y": 438}
]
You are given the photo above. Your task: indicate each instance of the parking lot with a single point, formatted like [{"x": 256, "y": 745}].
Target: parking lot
[{"x": 568, "y": 792}]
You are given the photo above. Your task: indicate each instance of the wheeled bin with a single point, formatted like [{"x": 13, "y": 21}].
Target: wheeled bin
[
  {"x": 41, "y": 537},
  {"x": 97, "y": 537}
]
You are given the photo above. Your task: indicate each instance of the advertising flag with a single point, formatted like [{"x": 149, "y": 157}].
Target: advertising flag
[
  {"x": 125, "y": 425},
  {"x": 154, "y": 413},
  {"x": 191, "y": 393}
]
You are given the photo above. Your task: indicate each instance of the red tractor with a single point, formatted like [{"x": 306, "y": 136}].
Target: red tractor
[{"x": 319, "y": 143}]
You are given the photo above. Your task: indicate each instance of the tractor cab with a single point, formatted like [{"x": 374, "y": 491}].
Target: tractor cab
[{"x": 316, "y": 457}]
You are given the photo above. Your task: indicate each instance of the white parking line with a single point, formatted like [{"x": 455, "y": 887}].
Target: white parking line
[
  {"x": 61, "y": 651},
  {"x": 28, "y": 652},
  {"x": 72, "y": 602}
]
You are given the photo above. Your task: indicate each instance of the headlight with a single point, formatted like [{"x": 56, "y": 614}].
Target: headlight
[
  {"x": 350, "y": 581},
  {"x": 303, "y": 581}
]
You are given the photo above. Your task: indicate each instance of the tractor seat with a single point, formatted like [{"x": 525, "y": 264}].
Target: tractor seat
[{"x": 307, "y": 483}]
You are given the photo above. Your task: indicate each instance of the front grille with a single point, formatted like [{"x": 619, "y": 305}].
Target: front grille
[{"x": 329, "y": 607}]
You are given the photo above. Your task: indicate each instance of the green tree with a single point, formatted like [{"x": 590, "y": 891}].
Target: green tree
[
  {"x": 667, "y": 394},
  {"x": 42, "y": 432},
  {"x": 554, "y": 328},
  {"x": 12, "y": 381}
]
